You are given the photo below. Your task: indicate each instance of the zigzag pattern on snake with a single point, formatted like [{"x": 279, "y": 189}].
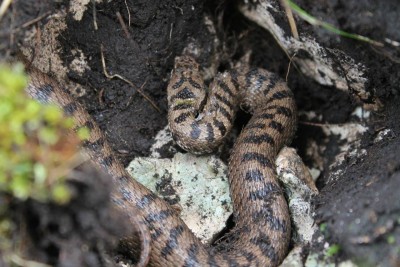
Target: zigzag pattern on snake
[{"x": 199, "y": 121}]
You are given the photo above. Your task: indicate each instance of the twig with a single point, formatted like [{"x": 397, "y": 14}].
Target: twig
[
  {"x": 22, "y": 262},
  {"x": 101, "y": 93},
  {"x": 12, "y": 34},
  {"x": 290, "y": 17},
  {"x": 129, "y": 14},
  {"x": 103, "y": 62},
  {"x": 316, "y": 124},
  {"x": 290, "y": 63},
  {"x": 3, "y": 7},
  {"x": 29, "y": 23},
  {"x": 25, "y": 25},
  {"x": 123, "y": 25},
  {"x": 321, "y": 125},
  {"x": 94, "y": 15},
  {"x": 170, "y": 32},
  {"x": 141, "y": 88}
]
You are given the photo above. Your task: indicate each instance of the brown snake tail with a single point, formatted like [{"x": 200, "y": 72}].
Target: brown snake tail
[{"x": 199, "y": 121}]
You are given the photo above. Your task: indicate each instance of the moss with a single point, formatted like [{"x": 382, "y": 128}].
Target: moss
[{"x": 36, "y": 153}]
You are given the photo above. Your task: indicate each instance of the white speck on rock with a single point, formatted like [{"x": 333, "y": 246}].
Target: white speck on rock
[
  {"x": 384, "y": 134},
  {"x": 361, "y": 113},
  {"x": 311, "y": 115},
  {"x": 346, "y": 131},
  {"x": 315, "y": 173}
]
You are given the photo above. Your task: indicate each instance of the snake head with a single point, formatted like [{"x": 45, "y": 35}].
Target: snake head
[{"x": 186, "y": 66}]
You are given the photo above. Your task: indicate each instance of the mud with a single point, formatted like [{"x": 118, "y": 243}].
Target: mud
[{"x": 358, "y": 203}]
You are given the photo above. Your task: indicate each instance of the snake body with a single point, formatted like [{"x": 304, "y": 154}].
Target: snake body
[{"x": 199, "y": 121}]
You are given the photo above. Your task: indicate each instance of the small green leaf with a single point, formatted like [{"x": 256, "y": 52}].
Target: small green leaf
[
  {"x": 22, "y": 168},
  {"x": 391, "y": 239},
  {"x": 48, "y": 135},
  {"x": 61, "y": 193},
  {"x": 3, "y": 178},
  {"x": 20, "y": 186},
  {"x": 5, "y": 109},
  {"x": 40, "y": 173},
  {"x": 5, "y": 224},
  {"x": 323, "y": 227},
  {"x": 32, "y": 108},
  {"x": 68, "y": 123},
  {"x": 53, "y": 114},
  {"x": 332, "y": 250},
  {"x": 15, "y": 80}
]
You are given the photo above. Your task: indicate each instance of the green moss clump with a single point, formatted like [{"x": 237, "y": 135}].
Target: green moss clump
[
  {"x": 35, "y": 151},
  {"x": 35, "y": 157}
]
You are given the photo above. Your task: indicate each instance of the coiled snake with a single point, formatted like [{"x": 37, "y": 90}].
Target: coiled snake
[{"x": 199, "y": 121}]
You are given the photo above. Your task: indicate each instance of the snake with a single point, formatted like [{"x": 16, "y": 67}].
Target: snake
[{"x": 200, "y": 117}]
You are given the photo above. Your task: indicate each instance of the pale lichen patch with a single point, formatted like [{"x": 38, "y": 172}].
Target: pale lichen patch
[
  {"x": 300, "y": 189},
  {"x": 78, "y": 7},
  {"x": 162, "y": 138},
  {"x": 47, "y": 58},
  {"x": 79, "y": 63},
  {"x": 196, "y": 183}
]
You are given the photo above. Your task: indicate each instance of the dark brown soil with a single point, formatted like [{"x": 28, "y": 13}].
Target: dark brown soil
[
  {"x": 361, "y": 208},
  {"x": 80, "y": 233}
]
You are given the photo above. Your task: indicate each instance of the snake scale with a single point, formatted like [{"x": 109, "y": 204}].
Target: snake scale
[{"x": 199, "y": 121}]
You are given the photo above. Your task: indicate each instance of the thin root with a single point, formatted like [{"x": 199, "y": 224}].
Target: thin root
[{"x": 103, "y": 62}]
